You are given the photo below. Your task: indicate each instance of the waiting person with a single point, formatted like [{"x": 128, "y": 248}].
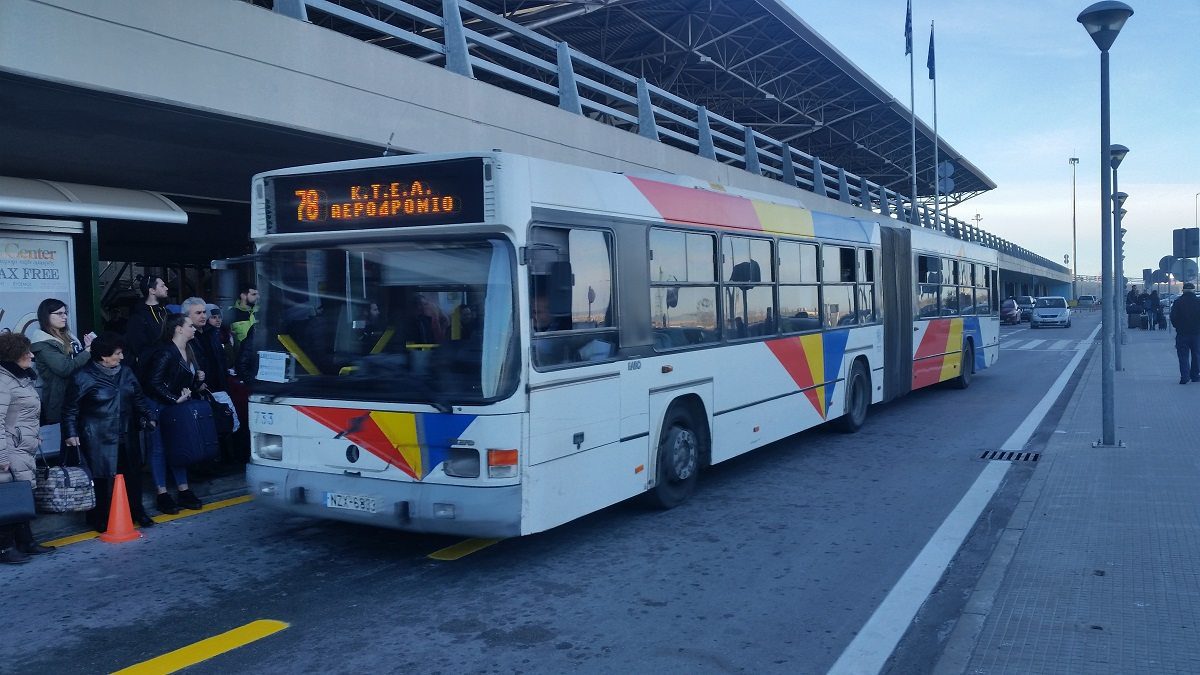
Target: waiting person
[
  {"x": 242, "y": 315},
  {"x": 220, "y": 333},
  {"x": 20, "y": 413},
  {"x": 103, "y": 413},
  {"x": 169, "y": 376},
  {"x": 57, "y": 355},
  {"x": 1133, "y": 303},
  {"x": 1153, "y": 308},
  {"x": 145, "y": 323},
  {"x": 1185, "y": 317},
  {"x": 208, "y": 354}
]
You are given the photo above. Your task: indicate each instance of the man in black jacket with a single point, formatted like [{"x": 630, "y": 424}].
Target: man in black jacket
[
  {"x": 1185, "y": 317},
  {"x": 207, "y": 350},
  {"x": 145, "y": 324}
]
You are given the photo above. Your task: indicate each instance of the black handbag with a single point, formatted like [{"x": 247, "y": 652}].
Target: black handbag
[
  {"x": 16, "y": 502},
  {"x": 62, "y": 488}
]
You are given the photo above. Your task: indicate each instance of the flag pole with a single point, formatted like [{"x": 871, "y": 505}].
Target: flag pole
[
  {"x": 937, "y": 197},
  {"x": 912, "y": 108}
]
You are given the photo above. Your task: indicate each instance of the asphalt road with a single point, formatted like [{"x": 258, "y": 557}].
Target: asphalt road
[{"x": 773, "y": 566}]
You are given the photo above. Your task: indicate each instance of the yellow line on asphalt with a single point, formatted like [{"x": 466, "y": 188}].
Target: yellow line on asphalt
[
  {"x": 206, "y": 649},
  {"x": 72, "y": 539},
  {"x": 462, "y": 549},
  {"x": 84, "y": 536},
  {"x": 185, "y": 513}
]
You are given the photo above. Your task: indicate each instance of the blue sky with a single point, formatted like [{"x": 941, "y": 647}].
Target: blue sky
[{"x": 1019, "y": 94}]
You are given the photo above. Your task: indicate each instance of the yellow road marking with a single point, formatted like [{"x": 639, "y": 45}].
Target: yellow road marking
[
  {"x": 72, "y": 539},
  {"x": 185, "y": 513},
  {"x": 84, "y": 536},
  {"x": 462, "y": 549},
  {"x": 206, "y": 649}
]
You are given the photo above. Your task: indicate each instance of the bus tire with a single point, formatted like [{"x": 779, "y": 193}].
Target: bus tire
[
  {"x": 966, "y": 367},
  {"x": 858, "y": 399},
  {"x": 679, "y": 457}
]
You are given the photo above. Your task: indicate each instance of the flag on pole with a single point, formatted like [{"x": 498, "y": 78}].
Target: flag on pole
[
  {"x": 929, "y": 61},
  {"x": 908, "y": 30}
]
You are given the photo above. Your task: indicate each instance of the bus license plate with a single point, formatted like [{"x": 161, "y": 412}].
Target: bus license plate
[{"x": 337, "y": 500}]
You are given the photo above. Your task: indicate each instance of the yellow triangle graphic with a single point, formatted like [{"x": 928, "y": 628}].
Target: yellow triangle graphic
[{"x": 401, "y": 429}]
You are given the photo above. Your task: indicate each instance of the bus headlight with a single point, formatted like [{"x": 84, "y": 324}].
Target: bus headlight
[
  {"x": 462, "y": 463},
  {"x": 268, "y": 446}
]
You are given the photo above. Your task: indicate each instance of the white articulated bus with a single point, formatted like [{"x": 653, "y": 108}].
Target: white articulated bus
[{"x": 493, "y": 345}]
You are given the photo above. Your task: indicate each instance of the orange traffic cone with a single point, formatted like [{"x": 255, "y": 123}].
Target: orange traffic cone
[{"x": 120, "y": 523}]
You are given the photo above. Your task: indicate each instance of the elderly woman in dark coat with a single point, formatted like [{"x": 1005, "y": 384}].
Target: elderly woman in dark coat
[
  {"x": 103, "y": 409},
  {"x": 20, "y": 409}
]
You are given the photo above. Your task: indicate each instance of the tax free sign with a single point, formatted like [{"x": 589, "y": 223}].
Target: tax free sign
[{"x": 32, "y": 268}]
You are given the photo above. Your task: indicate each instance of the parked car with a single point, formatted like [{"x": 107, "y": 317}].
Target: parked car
[
  {"x": 1025, "y": 304},
  {"x": 1088, "y": 301},
  {"x": 1009, "y": 312},
  {"x": 1050, "y": 311}
]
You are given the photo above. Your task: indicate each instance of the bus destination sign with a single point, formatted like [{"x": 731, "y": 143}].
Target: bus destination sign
[{"x": 402, "y": 195}]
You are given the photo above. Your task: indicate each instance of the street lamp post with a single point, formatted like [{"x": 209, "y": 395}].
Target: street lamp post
[
  {"x": 1116, "y": 155},
  {"x": 1074, "y": 240},
  {"x": 1103, "y": 21}
]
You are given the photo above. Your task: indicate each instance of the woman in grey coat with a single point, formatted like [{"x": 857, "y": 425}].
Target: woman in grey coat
[
  {"x": 56, "y": 356},
  {"x": 20, "y": 413}
]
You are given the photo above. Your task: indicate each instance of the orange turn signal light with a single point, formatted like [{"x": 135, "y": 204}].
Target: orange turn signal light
[{"x": 502, "y": 457}]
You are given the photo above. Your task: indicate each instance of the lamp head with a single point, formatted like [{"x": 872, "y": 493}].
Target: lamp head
[
  {"x": 1116, "y": 154},
  {"x": 1120, "y": 198},
  {"x": 1123, "y": 212},
  {"x": 1104, "y": 20}
]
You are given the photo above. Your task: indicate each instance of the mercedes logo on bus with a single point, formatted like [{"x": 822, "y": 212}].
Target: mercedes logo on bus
[{"x": 352, "y": 454}]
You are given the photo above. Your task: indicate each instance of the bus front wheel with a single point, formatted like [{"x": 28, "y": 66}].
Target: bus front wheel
[{"x": 679, "y": 452}]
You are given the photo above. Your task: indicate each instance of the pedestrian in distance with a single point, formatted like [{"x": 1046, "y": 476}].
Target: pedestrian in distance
[
  {"x": 57, "y": 356},
  {"x": 169, "y": 376},
  {"x": 20, "y": 413},
  {"x": 103, "y": 413},
  {"x": 1185, "y": 317},
  {"x": 1153, "y": 307},
  {"x": 146, "y": 320}
]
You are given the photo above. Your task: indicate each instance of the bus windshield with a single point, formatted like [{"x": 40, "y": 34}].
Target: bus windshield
[{"x": 416, "y": 321}]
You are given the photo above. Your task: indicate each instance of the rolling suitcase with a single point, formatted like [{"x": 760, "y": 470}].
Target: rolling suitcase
[
  {"x": 189, "y": 433},
  {"x": 1144, "y": 322}
]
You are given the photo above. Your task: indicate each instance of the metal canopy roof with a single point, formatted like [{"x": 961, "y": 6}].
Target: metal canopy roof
[
  {"x": 752, "y": 61},
  {"x": 756, "y": 62}
]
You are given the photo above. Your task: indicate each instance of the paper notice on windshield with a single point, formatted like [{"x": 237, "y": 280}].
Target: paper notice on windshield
[{"x": 273, "y": 366}]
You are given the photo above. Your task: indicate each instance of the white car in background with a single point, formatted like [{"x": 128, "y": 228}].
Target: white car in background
[{"x": 1051, "y": 310}]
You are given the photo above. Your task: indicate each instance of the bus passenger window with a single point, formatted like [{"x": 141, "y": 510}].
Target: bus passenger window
[
  {"x": 799, "y": 296},
  {"x": 748, "y": 273},
  {"x": 571, "y": 303},
  {"x": 683, "y": 288}
]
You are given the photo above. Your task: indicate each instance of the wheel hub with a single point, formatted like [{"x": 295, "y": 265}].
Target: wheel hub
[{"x": 683, "y": 454}]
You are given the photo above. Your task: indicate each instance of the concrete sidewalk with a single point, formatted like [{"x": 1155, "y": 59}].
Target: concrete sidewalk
[{"x": 1099, "y": 571}]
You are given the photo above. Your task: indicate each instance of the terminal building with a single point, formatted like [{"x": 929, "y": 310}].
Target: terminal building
[{"x": 132, "y": 128}]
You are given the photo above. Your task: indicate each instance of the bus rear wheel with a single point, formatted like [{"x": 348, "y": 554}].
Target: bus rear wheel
[
  {"x": 679, "y": 453},
  {"x": 966, "y": 367},
  {"x": 858, "y": 399}
]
